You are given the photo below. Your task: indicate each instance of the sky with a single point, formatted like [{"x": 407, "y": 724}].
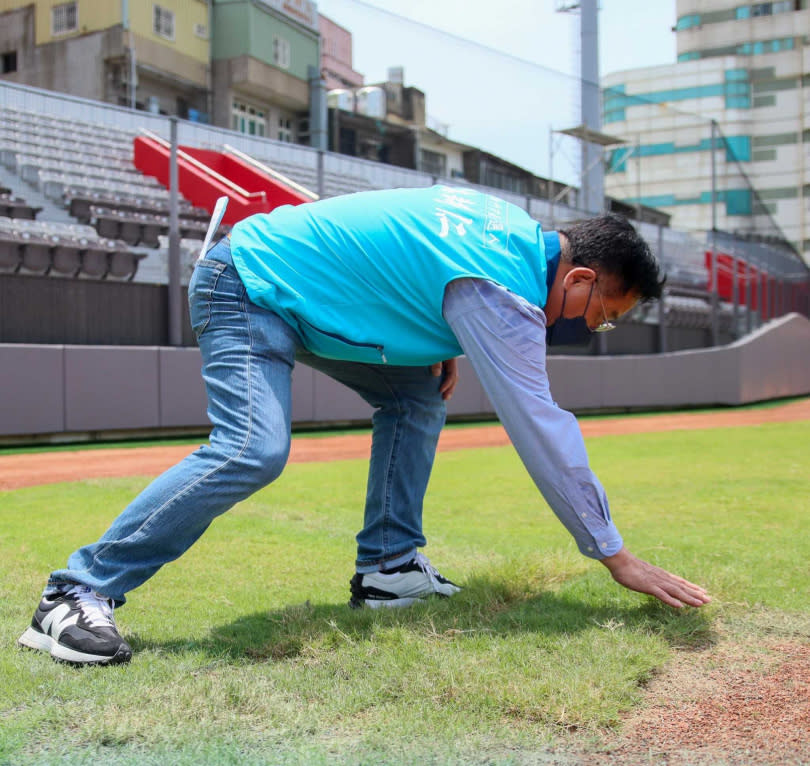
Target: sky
[{"x": 501, "y": 74}]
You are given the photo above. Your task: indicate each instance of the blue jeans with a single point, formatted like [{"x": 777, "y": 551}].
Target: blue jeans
[{"x": 248, "y": 356}]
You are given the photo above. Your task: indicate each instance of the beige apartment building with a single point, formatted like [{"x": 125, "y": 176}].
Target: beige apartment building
[{"x": 745, "y": 66}]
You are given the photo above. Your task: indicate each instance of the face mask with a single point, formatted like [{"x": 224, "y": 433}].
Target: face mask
[{"x": 570, "y": 331}]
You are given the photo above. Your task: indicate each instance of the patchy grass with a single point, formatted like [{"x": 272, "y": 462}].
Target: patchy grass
[{"x": 246, "y": 652}]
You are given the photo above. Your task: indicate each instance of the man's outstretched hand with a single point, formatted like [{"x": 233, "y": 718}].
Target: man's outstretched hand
[{"x": 638, "y": 575}]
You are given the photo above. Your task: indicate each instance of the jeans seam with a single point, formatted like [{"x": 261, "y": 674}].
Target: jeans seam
[
  {"x": 389, "y": 469},
  {"x": 388, "y": 475},
  {"x": 214, "y": 470}
]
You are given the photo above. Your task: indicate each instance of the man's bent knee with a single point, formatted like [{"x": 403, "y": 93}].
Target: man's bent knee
[{"x": 260, "y": 467}]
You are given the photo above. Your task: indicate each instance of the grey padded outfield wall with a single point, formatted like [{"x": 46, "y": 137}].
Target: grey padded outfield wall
[{"x": 60, "y": 392}]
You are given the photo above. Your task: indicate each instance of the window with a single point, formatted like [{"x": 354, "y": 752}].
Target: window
[
  {"x": 8, "y": 62},
  {"x": 688, "y": 22},
  {"x": 163, "y": 22},
  {"x": 738, "y": 102},
  {"x": 285, "y": 132},
  {"x": 281, "y": 52},
  {"x": 64, "y": 18},
  {"x": 330, "y": 46},
  {"x": 760, "y": 101},
  {"x": 247, "y": 119},
  {"x": 434, "y": 163},
  {"x": 738, "y": 202},
  {"x": 501, "y": 179}
]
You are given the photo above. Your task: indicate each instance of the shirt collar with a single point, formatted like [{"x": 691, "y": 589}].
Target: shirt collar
[{"x": 551, "y": 240}]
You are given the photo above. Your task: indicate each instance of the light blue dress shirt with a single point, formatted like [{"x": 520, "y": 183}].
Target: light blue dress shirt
[{"x": 504, "y": 338}]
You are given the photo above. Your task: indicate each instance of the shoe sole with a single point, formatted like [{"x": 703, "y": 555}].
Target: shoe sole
[
  {"x": 379, "y": 603},
  {"x": 33, "y": 639},
  {"x": 393, "y": 603}
]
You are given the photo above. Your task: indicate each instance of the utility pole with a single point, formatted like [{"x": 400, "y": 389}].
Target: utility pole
[
  {"x": 713, "y": 235},
  {"x": 133, "y": 64},
  {"x": 175, "y": 290},
  {"x": 593, "y": 177}
]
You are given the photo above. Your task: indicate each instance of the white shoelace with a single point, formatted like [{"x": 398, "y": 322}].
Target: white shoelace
[
  {"x": 98, "y": 611},
  {"x": 428, "y": 568}
]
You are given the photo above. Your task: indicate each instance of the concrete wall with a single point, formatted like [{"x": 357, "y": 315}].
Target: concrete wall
[
  {"x": 60, "y": 392},
  {"x": 770, "y": 363}
]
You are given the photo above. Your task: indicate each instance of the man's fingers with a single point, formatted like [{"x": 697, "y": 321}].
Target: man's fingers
[
  {"x": 662, "y": 595},
  {"x": 681, "y": 592},
  {"x": 449, "y": 370},
  {"x": 697, "y": 598},
  {"x": 689, "y": 592},
  {"x": 449, "y": 383}
]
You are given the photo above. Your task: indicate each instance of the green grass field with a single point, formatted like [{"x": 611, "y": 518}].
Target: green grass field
[{"x": 246, "y": 652}]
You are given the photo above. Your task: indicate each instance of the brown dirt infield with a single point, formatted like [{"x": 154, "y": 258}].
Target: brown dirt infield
[
  {"x": 736, "y": 702},
  {"x": 26, "y": 470}
]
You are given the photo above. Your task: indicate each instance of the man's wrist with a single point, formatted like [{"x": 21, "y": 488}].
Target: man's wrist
[{"x": 618, "y": 560}]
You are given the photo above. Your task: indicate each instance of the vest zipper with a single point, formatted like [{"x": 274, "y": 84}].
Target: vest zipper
[{"x": 378, "y": 347}]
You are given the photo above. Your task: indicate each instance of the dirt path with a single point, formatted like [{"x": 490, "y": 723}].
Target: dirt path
[{"x": 50, "y": 467}]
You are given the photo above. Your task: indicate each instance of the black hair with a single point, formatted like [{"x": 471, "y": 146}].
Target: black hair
[{"x": 610, "y": 245}]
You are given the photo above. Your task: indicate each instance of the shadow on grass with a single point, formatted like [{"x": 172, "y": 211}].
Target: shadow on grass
[{"x": 484, "y": 607}]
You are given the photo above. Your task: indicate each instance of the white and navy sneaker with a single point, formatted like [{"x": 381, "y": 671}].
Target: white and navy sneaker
[
  {"x": 77, "y": 626},
  {"x": 402, "y": 586}
]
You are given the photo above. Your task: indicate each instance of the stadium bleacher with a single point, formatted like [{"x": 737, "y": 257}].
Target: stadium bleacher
[
  {"x": 12, "y": 206},
  {"x": 87, "y": 170},
  {"x": 335, "y": 184},
  {"x": 74, "y": 250},
  {"x": 79, "y": 204}
]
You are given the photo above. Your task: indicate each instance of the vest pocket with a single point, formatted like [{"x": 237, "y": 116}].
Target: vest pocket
[{"x": 334, "y": 346}]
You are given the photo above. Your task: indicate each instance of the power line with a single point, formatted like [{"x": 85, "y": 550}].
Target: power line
[
  {"x": 637, "y": 99},
  {"x": 467, "y": 41}
]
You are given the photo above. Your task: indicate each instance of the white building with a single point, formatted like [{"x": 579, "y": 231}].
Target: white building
[{"x": 746, "y": 66}]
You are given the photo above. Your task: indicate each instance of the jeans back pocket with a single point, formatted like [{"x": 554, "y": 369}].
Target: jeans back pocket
[{"x": 200, "y": 293}]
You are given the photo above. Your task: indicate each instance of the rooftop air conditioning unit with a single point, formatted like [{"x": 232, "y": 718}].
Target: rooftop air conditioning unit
[
  {"x": 340, "y": 98},
  {"x": 371, "y": 101}
]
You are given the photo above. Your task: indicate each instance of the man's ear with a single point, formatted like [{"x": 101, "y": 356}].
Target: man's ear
[{"x": 577, "y": 275}]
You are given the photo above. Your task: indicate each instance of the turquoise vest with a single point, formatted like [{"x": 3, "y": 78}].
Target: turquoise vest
[{"x": 361, "y": 277}]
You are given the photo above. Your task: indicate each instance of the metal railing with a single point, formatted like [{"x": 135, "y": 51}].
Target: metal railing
[{"x": 207, "y": 170}]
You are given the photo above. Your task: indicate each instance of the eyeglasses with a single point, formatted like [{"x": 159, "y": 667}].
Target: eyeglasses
[{"x": 605, "y": 325}]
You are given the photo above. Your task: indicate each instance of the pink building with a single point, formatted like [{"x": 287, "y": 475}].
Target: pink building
[{"x": 336, "y": 56}]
